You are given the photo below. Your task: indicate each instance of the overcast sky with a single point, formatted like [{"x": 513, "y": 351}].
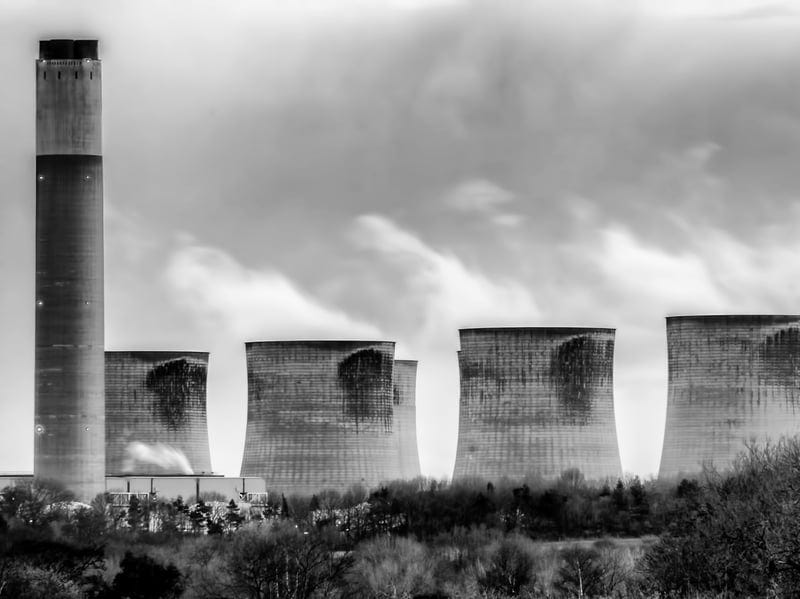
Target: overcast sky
[{"x": 398, "y": 170}]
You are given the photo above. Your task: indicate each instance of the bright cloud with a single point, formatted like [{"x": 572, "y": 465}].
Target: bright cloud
[
  {"x": 762, "y": 276},
  {"x": 440, "y": 285},
  {"x": 716, "y": 272},
  {"x": 652, "y": 278},
  {"x": 250, "y": 303}
]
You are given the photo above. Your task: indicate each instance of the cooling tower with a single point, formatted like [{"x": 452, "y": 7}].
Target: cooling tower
[
  {"x": 536, "y": 401},
  {"x": 405, "y": 416},
  {"x": 320, "y": 415},
  {"x": 69, "y": 441},
  {"x": 156, "y": 413},
  {"x": 732, "y": 380}
]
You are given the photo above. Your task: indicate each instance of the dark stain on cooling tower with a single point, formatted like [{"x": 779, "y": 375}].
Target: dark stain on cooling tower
[
  {"x": 178, "y": 384},
  {"x": 781, "y": 355},
  {"x": 577, "y": 367},
  {"x": 362, "y": 375}
]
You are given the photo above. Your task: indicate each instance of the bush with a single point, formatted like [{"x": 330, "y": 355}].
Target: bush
[
  {"x": 743, "y": 538},
  {"x": 510, "y": 567},
  {"x": 278, "y": 560},
  {"x": 32, "y": 565},
  {"x": 31, "y": 502},
  {"x": 386, "y": 568},
  {"x": 581, "y": 573},
  {"x": 141, "y": 577}
]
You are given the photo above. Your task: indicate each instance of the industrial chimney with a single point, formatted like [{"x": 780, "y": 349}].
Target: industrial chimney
[{"x": 69, "y": 410}]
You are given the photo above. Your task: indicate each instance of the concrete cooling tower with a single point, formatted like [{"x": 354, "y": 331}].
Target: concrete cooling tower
[
  {"x": 69, "y": 428},
  {"x": 320, "y": 415},
  {"x": 156, "y": 420},
  {"x": 405, "y": 415},
  {"x": 732, "y": 380},
  {"x": 536, "y": 401}
]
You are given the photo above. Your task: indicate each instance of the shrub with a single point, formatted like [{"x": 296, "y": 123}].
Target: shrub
[
  {"x": 141, "y": 577},
  {"x": 386, "y": 568},
  {"x": 743, "y": 538},
  {"x": 510, "y": 567}
]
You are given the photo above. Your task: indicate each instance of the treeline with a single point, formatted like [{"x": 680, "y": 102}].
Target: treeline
[
  {"x": 568, "y": 508},
  {"x": 421, "y": 508},
  {"x": 730, "y": 535}
]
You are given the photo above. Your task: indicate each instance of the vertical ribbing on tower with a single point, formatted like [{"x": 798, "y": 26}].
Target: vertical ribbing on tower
[
  {"x": 69, "y": 377},
  {"x": 157, "y": 399},
  {"x": 734, "y": 379},
  {"x": 320, "y": 415},
  {"x": 405, "y": 415},
  {"x": 537, "y": 402}
]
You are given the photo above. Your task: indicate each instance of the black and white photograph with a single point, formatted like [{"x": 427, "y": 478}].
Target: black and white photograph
[{"x": 399, "y": 299}]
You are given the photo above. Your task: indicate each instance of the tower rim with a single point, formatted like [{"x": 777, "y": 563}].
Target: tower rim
[
  {"x": 327, "y": 342},
  {"x": 542, "y": 329},
  {"x": 732, "y": 317}
]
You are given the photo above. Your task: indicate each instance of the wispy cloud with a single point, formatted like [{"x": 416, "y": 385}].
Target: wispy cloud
[
  {"x": 714, "y": 272},
  {"x": 760, "y": 275},
  {"x": 484, "y": 198},
  {"x": 251, "y": 303},
  {"x": 439, "y": 286},
  {"x": 650, "y": 278}
]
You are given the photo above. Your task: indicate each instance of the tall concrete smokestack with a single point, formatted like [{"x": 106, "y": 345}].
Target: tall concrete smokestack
[{"x": 69, "y": 410}]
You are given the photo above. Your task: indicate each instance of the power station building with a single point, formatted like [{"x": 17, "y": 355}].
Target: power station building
[
  {"x": 405, "y": 416},
  {"x": 536, "y": 402},
  {"x": 156, "y": 419},
  {"x": 69, "y": 426},
  {"x": 732, "y": 380},
  {"x": 190, "y": 488},
  {"x": 320, "y": 415}
]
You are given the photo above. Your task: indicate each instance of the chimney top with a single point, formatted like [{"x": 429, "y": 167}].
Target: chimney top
[{"x": 67, "y": 49}]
